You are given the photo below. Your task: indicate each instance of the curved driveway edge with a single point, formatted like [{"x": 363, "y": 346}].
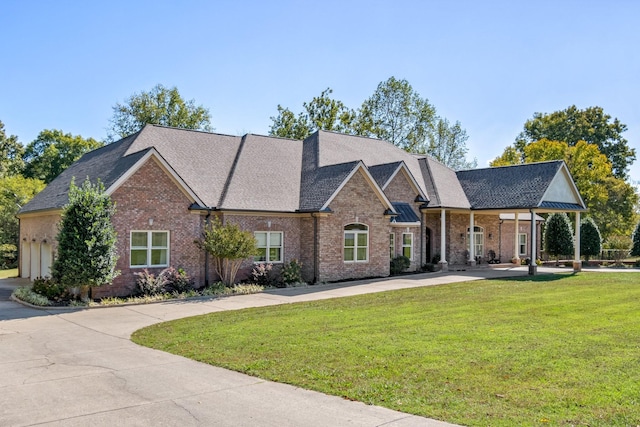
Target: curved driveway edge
[{"x": 79, "y": 368}]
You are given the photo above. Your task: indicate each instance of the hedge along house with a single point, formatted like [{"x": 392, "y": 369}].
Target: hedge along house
[{"x": 343, "y": 205}]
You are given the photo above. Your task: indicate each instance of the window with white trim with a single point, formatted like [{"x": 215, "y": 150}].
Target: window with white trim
[
  {"x": 392, "y": 245},
  {"x": 407, "y": 245},
  {"x": 478, "y": 240},
  {"x": 149, "y": 249},
  {"x": 356, "y": 243},
  {"x": 269, "y": 245},
  {"x": 522, "y": 243}
]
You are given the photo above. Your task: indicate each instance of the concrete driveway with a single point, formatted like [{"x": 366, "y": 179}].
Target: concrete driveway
[{"x": 78, "y": 368}]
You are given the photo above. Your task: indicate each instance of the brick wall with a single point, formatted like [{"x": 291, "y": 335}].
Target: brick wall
[
  {"x": 290, "y": 226},
  {"x": 401, "y": 190},
  {"x": 356, "y": 203},
  {"x": 508, "y": 239},
  {"x": 150, "y": 193}
]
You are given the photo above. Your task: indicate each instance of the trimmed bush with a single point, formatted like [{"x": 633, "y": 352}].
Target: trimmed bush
[
  {"x": 635, "y": 237},
  {"x": 292, "y": 272},
  {"x": 51, "y": 289},
  {"x": 176, "y": 280},
  {"x": 590, "y": 239},
  {"x": 399, "y": 264}
]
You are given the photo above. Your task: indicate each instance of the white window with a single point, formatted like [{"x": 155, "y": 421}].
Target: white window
[
  {"x": 356, "y": 243},
  {"x": 522, "y": 243},
  {"x": 269, "y": 246},
  {"x": 149, "y": 249},
  {"x": 407, "y": 245},
  {"x": 478, "y": 240},
  {"x": 392, "y": 246}
]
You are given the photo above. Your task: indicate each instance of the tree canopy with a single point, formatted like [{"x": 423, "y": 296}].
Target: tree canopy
[
  {"x": 322, "y": 113},
  {"x": 15, "y": 192},
  {"x": 161, "y": 106},
  {"x": 53, "y": 151},
  {"x": 395, "y": 113},
  {"x": 591, "y": 125},
  {"x": 447, "y": 144},
  {"x": 11, "y": 152}
]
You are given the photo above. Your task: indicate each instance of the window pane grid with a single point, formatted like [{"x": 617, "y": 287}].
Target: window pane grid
[
  {"x": 356, "y": 243},
  {"x": 407, "y": 245},
  {"x": 269, "y": 245},
  {"x": 149, "y": 249}
]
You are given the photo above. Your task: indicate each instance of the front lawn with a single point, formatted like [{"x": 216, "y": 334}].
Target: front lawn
[
  {"x": 12, "y": 272},
  {"x": 547, "y": 350}
]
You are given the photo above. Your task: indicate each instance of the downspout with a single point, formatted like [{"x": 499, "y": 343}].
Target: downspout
[
  {"x": 422, "y": 231},
  {"x": 500, "y": 240},
  {"x": 206, "y": 254},
  {"x": 315, "y": 249}
]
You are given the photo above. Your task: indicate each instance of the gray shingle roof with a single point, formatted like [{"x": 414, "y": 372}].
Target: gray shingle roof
[
  {"x": 334, "y": 148},
  {"x": 382, "y": 173},
  {"x": 266, "y": 175},
  {"x": 443, "y": 186},
  {"x": 514, "y": 187},
  {"x": 107, "y": 163},
  {"x": 282, "y": 175}
]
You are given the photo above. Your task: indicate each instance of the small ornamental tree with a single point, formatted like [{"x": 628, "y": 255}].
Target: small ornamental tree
[
  {"x": 558, "y": 237},
  {"x": 229, "y": 246},
  {"x": 635, "y": 249},
  {"x": 86, "y": 239},
  {"x": 590, "y": 239}
]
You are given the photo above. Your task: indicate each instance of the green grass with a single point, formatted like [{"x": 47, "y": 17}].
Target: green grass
[
  {"x": 548, "y": 350},
  {"x": 5, "y": 274}
]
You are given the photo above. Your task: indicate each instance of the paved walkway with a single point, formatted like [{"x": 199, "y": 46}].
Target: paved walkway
[{"x": 78, "y": 367}]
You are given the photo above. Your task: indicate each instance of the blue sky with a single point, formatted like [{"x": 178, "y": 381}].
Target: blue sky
[{"x": 491, "y": 65}]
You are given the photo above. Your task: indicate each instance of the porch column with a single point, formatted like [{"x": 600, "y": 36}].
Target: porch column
[
  {"x": 472, "y": 249},
  {"x": 443, "y": 243},
  {"x": 516, "y": 241},
  {"x": 533, "y": 267},
  {"x": 577, "y": 264}
]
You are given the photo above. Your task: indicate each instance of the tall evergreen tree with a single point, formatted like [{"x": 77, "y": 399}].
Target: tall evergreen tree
[
  {"x": 558, "y": 237},
  {"x": 86, "y": 238},
  {"x": 635, "y": 249},
  {"x": 590, "y": 239}
]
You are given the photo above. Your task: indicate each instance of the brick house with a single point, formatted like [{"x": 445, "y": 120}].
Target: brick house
[{"x": 343, "y": 205}]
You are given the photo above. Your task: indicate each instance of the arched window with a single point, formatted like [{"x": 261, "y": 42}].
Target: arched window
[
  {"x": 356, "y": 243},
  {"x": 478, "y": 240}
]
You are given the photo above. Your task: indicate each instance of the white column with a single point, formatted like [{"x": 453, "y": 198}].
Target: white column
[
  {"x": 516, "y": 241},
  {"x": 443, "y": 241},
  {"x": 577, "y": 264},
  {"x": 533, "y": 267},
  {"x": 472, "y": 254}
]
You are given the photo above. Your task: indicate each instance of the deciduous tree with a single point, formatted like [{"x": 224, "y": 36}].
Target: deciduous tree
[
  {"x": 15, "y": 192},
  {"x": 161, "y": 106},
  {"x": 591, "y": 125},
  {"x": 229, "y": 246},
  {"x": 11, "y": 152},
  {"x": 322, "y": 113},
  {"x": 447, "y": 144},
  {"x": 398, "y": 114},
  {"x": 53, "y": 151}
]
